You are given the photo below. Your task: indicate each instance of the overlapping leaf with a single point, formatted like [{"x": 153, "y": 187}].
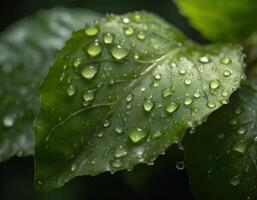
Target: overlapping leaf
[
  {"x": 221, "y": 20},
  {"x": 27, "y": 48},
  {"x": 122, "y": 91}
]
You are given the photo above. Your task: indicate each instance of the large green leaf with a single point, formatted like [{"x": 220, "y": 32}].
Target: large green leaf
[
  {"x": 221, "y": 20},
  {"x": 27, "y": 48},
  {"x": 222, "y": 154},
  {"x": 122, "y": 91}
]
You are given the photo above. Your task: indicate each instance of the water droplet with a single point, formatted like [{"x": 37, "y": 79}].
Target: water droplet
[
  {"x": 119, "y": 52},
  {"x": 77, "y": 62},
  {"x": 129, "y": 98},
  {"x": 100, "y": 134},
  {"x": 137, "y": 18},
  {"x": 158, "y": 76},
  {"x": 108, "y": 38},
  {"x": 137, "y": 135},
  {"x": 225, "y": 60},
  {"x": 188, "y": 101},
  {"x": 116, "y": 163},
  {"x": 125, "y": 20},
  {"x": 128, "y": 31},
  {"x": 227, "y": 73},
  {"x": 148, "y": 105},
  {"x": 73, "y": 167},
  {"x": 182, "y": 71},
  {"x": 9, "y": 120},
  {"x": 235, "y": 180},
  {"x": 187, "y": 82},
  {"x": 136, "y": 56},
  {"x": 224, "y": 93},
  {"x": 119, "y": 129},
  {"x": 167, "y": 92},
  {"x": 141, "y": 35},
  {"x": 180, "y": 165},
  {"x": 240, "y": 146},
  {"x": 71, "y": 90},
  {"x": 211, "y": 105},
  {"x": 156, "y": 134},
  {"x": 62, "y": 77},
  {"x": 171, "y": 107},
  {"x": 94, "y": 49},
  {"x": 89, "y": 95},
  {"x": 238, "y": 110},
  {"x": 255, "y": 139},
  {"x": 197, "y": 94},
  {"x": 92, "y": 30},
  {"x": 241, "y": 130},
  {"x": 233, "y": 122},
  {"x": 214, "y": 84},
  {"x": 106, "y": 123},
  {"x": 120, "y": 152},
  {"x": 204, "y": 59},
  {"x": 89, "y": 72}
]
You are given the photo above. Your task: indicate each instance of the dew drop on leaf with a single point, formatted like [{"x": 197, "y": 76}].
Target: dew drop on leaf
[
  {"x": 119, "y": 52},
  {"x": 180, "y": 165},
  {"x": 187, "y": 82},
  {"x": 128, "y": 31},
  {"x": 73, "y": 167},
  {"x": 225, "y": 60},
  {"x": 89, "y": 72},
  {"x": 235, "y": 180},
  {"x": 94, "y": 49},
  {"x": 227, "y": 73},
  {"x": 141, "y": 35},
  {"x": 204, "y": 59},
  {"x": 92, "y": 30},
  {"x": 89, "y": 95},
  {"x": 8, "y": 120},
  {"x": 167, "y": 92},
  {"x": 188, "y": 101},
  {"x": 171, "y": 107},
  {"x": 148, "y": 105},
  {"x": 120, "y": 152},
  {"x": 137, "y": 135},
  {"x": 214, "y": 84},
  {"x": 108, "y": 38},
  {"x": 71, "y": 90}
]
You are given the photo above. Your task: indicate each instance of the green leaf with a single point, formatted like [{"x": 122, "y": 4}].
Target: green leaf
[
  {"x": 222, "y": 154},
  {"x": 221, "y": 20},
  {"x": 27, "y": 48},
  {"x": 122, "y": 91}
]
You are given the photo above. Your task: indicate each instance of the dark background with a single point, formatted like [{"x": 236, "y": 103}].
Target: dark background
[{"x": 160, "y": 181}]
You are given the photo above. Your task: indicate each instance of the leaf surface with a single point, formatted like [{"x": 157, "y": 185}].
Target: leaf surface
[{"x": 122, "y": 91}]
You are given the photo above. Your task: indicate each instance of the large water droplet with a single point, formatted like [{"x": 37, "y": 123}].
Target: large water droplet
[
  {"x": 171, "y": 107},
  {"x": 89, "y": 72},
  {"x": 108, "y": 38},
  {"x": 214, "y": 84},
  {"x": 92, "y": 30},
  {"x": 119, "y": 52},
  {"x": 71, "y": 90},
  {"x": 137, "y": 135},
  {"x": 148, "y": 105},
  {"x": 94, "y": 49}
]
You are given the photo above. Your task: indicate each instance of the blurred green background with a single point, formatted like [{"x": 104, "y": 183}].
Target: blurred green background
[{"x": 159, "y": 181}]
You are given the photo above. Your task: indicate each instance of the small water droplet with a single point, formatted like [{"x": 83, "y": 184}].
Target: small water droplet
[
  {"x": 129, "y": 98},
  {"x": 148, "y": 105},
  {"x": 119, "y": 52},
  {"x": 158, "y": 76},
  {"x": 182, "y": 71},
  {"x": 204, "y": 59},
  {"x": 141, "y": 35},
  {"x": 92, "y": 30},
  {"x": 187, "y": 82},
  {"x": 62, "y": 77},
  {"x": 71, "y": 90},
  {"x": 8, "y": 120},
  {"x": 108, "y": 38},
  {"x": 224, "y": 93},
  {"x": 94, "y": 49},
  {"x": 106, "y": 123},
  {"x": 227, "y": 73},
  {"x": 171, "y": 107},
  {"x": 188, "y": 101},
  {"x": 180, "y": 165},
  {"x": 128, "y": 31},
  {"x": 241, "y": 131},
  {"x": 125, "y": 20},
  {"x": 225, "y": 60},
  {"x": 119, "y": 129},
  {"x": 197, "y": 94},
  {"x": 156, "y": 134},
  {"x": 214, "y": 84},
  {"x": 167, "y": 92},
  {"x": 233, "y": 122},
  {"x": 120, "y": 152},
  {"x": 235, "y": 180},
  {"x": 89, "y": 72},
  {"x": 89, "y": 95},
  {"x": 137, "y": 135},
  {"x": 77, "y": 62},
  {"x": 211, "y": 105},
  {"x": 73, "y": 167},
  {"x": 116, "y": 163}
]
